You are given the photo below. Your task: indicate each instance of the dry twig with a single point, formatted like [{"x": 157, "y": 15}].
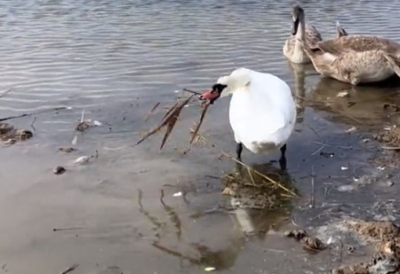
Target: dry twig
[
  {"x": 196, "y": 130},
  {"x": 31, "y": 113},
  {"x": 169, "y": 120},
  {"x": 312, "y": 204},
  {"x": 151, "y": 111},
  {"x": 69, "y": 269}
]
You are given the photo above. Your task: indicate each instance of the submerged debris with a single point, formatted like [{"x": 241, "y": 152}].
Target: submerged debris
[
  {"x": 23, "y": 134},
  {"x": 66, "y": 149},
  {"x": 313, "y": 244},
  {"x": 5, "y": 128},
  {"x": 310, "y": 243},
  {"x": 343, "y": 94},
  {"x": 82, "y": 160},
  {"x": 9, "y": 135},
  {"x": 391, "y": 107},
  {"x": 69, "y": 269},
  {"x": 82, "y": 126},
  {"x": 85, "y": 159},
  {"x": 296, "y": 234}
]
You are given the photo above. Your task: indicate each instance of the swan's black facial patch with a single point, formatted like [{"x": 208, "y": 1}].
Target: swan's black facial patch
[
  {"x": 218, "y": 88},
  {"x": 297, "y": 13},
  {"x": 295, "y": 26}
]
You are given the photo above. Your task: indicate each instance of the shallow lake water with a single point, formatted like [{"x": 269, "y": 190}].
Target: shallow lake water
[{"x": 115, "y": 60}]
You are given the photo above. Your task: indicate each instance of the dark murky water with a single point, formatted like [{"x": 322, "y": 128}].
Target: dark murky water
[{"x": 116, "y": 59}]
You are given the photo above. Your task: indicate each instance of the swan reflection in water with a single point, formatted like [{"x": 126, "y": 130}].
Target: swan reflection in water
[
  {"x": 363, "y": 105},
  {"x": 299, "y": 71},
  {"x": 246, "y": 222}
]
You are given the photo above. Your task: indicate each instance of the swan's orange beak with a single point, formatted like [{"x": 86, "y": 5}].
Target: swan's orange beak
[{"x": 210, "y": 95}]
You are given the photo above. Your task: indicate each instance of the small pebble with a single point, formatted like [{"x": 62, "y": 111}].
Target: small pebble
[
  {"x": 346, "y": 188},
  {"x": 59, "y": 170}
]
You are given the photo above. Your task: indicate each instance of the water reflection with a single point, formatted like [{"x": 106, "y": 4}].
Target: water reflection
[
  {"x": 245, "y": 211},
  {"x": 362, "y": 105},
  {"x": 299, "y": 72},
  {"x": 173, "y": 217}
]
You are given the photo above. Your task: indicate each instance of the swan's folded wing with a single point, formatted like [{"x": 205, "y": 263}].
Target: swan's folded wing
[
  {"x": 357, "y": 43},
  {"x": 312, "y": 35}
]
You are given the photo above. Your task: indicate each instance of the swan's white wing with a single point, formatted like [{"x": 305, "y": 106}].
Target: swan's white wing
[{"x": 259, "y": 114}]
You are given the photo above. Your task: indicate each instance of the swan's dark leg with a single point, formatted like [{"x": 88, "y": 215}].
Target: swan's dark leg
[
  {"x": 239, "y": 167},
  {"x": 282, "y": 160},
  {"x": 239, "y": 149}
]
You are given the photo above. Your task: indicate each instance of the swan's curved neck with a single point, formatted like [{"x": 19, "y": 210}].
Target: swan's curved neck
[
  {"x": 298, "y": 51},
  {"x": 302, "y": 25}
]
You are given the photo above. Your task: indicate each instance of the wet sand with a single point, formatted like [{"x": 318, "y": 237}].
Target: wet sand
[{"x": 109, "y": 60}]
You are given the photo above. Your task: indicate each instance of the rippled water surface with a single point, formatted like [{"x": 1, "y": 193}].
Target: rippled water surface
[
  {"x": 115, "y": 60},
  {"x": 88, "y": 53}
]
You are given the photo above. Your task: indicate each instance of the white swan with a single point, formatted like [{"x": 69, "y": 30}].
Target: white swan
[{"x": 262, "y": 111}]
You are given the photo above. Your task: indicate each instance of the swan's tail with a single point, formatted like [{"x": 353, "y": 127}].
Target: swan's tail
[
  {"x": 340, "y": 31},
  {"x": 393, "y": 61}
]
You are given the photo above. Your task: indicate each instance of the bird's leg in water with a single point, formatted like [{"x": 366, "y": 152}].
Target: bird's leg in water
[
  {"x": 239, "y": 149},
  {"x": 239, "y": 167},
  {"x": 282, "y": 160}
]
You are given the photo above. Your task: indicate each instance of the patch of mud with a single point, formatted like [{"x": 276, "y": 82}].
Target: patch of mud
[
  {"x": 375, "y": 231},
  {"x": 386, "y": 237},
  {"x": 390, "y": 137},
  {"x": 10, "y": 135}
]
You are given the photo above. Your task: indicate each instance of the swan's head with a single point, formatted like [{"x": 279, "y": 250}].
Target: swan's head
[
  {"x": 297, "y": 17},
  {"x": 238, "y": 80},
  {"x": 214, "y": 94}
]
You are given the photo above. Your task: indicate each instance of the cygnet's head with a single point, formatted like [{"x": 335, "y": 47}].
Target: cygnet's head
[
  {"x": 226, "y": 85},
  {"x": 297, "y": 17}
]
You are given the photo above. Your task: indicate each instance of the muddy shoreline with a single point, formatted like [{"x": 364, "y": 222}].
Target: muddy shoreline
[{"x": 122, "y": 203}]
